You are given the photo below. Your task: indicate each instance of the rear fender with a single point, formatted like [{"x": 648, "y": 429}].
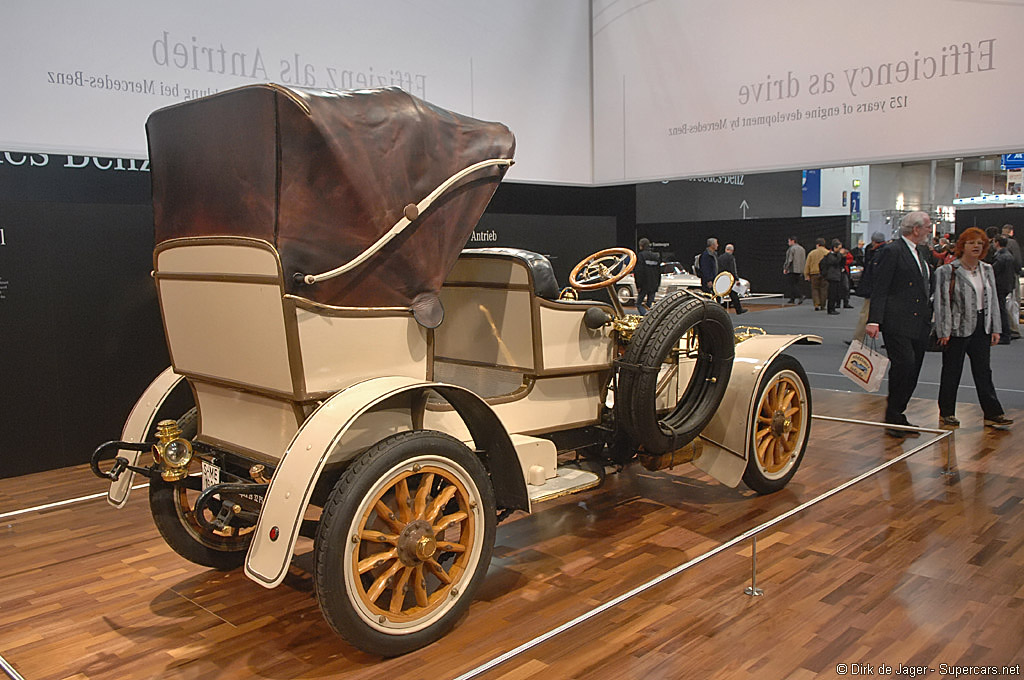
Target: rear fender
[
  {"x": 726, "y": 447},
  {"x": 137, "y": 427},
  {"x": 322, "y": 433}
]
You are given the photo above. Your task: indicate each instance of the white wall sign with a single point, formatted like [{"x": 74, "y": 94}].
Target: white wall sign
[
  {"x": 706, "y": 87},
  {"x": 82, "y": 78}
]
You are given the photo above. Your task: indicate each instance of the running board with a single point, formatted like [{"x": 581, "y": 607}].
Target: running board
[{"x": 568, "y": 480}]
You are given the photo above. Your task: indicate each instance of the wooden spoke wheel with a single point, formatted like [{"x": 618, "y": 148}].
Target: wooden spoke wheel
[
  {"x": 404, "y": 541},
  {"x": 602, "y": 269},
  {"x": 781, "y": 427},
  {"x": 173, "y": 507}
]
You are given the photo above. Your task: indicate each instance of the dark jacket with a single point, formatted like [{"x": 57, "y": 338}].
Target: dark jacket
[
  {"x": 727, "y": 263},
  {"x": 1005, "y": 270},
  {"x": 832, "y": 266},
  {"x": 864, "y": 286},
  {"x": 708, "y": 267},
  {"x": 899, "y": 293},
  {"x": 1014, "y": 247},
  {"x": 647, "y": 272}
]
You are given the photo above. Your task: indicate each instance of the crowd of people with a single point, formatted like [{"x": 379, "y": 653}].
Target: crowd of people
[{"x": 963, "y": 292}]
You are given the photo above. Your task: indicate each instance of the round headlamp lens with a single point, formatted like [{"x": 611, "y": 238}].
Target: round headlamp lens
[{"x": 177, "y": 453}]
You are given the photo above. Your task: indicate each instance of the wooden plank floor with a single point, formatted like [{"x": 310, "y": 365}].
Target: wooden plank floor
[{"x": 908, "y": 567}]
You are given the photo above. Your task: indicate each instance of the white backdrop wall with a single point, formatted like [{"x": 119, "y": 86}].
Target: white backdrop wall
[
  {"x": 81, "y": 77},
  {"x": 700, "y": 87}
]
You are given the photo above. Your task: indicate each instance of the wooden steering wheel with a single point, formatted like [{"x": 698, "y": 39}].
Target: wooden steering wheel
[{"x": 602, "y": 269}]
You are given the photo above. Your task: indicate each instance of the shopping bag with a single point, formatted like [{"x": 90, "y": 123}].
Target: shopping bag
[{"x": 864, "y": 366}]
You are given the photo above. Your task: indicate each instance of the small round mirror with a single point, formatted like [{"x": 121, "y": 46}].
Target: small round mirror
[{"x": 722, "y": 284}]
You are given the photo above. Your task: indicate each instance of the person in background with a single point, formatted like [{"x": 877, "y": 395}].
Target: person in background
[
  {"x": 847, "y": 261},
  {"x": 793, "y": 270},
  {"x": 967, "y": 323},
  {"x": 708, "y": 265},
  {"x": 858, "y": 253},
  {"x": 1013, "y": 306},
  {"x": 831, "y": 269},
  {"x": 1003, "y": 269},
  {"x": 864, "y": 286},
  {"x": 990, "y": 234},
  {"x": 727, "y": 263},
  {"x": 901, "y": 312},
  {"x": 647, "y": 275},
  {"x": 812, "y": 272}
]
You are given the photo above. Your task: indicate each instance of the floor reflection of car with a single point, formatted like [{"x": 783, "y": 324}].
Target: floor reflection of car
[{"x": 673, "y": 278}]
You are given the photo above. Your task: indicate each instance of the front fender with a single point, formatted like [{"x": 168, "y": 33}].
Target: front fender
[
  {"x": 303, "y": 462},
  {"x": 138, "y": 425},
  {"x": 726, "y": 446}
]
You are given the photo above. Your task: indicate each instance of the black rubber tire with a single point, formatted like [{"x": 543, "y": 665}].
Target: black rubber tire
[
  {"x": 659, "y": 332},
  {"x": 344, "y": 596},
  {"x": 786, "y": 374},
  {"x": 172, "y": 514}
]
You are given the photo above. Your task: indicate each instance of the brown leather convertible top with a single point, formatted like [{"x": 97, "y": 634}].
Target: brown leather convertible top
[{"x": 322, "y": 175}]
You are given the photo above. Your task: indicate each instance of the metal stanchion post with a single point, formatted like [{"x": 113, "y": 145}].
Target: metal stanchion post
[{"x": 752, "y": 589}]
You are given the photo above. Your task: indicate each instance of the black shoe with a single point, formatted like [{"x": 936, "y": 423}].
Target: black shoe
[
  {"x": 903, "y": 433},
  {"x": 801, "y": 300},
  {"x": 847, "y": 306},
  {"x": 834, "y": 312},
  {"x": 789, "y": 302},
  {"x": 949, "y": 420},
  {"x": 1001, "y": 419},
  {"x": 742, "y": 311},
  {"x": 1004, "y": 342},
  {"x": 899, "y": 434},
  {"x": 847, "y": 341}
]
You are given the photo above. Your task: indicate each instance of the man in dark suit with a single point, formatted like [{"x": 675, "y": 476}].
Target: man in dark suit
[
  {"x": 901, "y": 311},
  {"x": 708, "y": 265},
  {"x": 727, "y": 263}
]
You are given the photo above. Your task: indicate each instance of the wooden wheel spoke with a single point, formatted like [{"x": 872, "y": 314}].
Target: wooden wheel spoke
[
  {"x": 449, "y": 520},
  {"x": 438, "y": 571},
  {"x": 762, "y": 418},
  {"x": 762, "y": 433},
  {"x": 792, "y": 411},
  {"x": 375, "y": 591},
  {"x": 446, "y": 546},
  {"x": 422, "y": 493},
  {"x": 388, "y": 517},
  {"x": 403, "y": 500},
  {"x": 419, "y": 586},
  {"x": 398, "y": 592},
  {"x": 762, "y": 449},
  {"x": 378, "y": 537},
  {"x": 787, "y": 399},
  {"x": 442, "y": 499},
  {"x": 376, "y": 560}
]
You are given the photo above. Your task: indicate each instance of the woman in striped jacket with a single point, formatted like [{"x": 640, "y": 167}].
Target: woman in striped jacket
[{"x": 967, "y": 323}]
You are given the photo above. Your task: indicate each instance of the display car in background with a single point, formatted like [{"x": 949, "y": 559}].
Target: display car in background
[
  {"x": 674, "y": 278},
  {"x": 358, "y": 379}
]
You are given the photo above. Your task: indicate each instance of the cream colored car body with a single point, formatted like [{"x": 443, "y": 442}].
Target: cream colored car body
[{"x": 300, "y": 386}]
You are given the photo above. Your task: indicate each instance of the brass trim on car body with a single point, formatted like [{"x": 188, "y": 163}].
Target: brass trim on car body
[
  {"x": 335, "y": 311},
  {"x": 520, "y": 393}
]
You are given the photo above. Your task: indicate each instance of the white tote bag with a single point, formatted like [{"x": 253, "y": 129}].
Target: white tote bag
[{"x": 864, "y": 366}]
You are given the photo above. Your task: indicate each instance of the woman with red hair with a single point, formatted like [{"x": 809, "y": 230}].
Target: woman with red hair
[{"x": 967, "y": 323}]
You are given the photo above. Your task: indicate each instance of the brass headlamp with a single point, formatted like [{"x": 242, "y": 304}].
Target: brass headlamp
[{"x": 172, "y": 452}]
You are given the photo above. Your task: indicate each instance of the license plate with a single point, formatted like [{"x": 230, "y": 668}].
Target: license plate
[{"x": 211, "y": 474}]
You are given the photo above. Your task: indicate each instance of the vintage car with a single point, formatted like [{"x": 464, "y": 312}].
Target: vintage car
[
  {"x": 351, "y": 375},
  {"x": 673, "y": 278}
]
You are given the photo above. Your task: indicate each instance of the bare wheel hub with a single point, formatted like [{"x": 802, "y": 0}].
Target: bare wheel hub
[
  {"x": 416, "y": 543},
  {"x": 780, "y": 423}
]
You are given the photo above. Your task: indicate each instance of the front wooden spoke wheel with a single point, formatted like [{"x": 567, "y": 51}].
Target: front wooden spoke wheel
[
  {"x": 780, "y": 423},
  {"x": 412, "y": 545}
]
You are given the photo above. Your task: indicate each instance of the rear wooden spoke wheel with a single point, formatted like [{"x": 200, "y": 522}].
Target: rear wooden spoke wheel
[
  {"x": 404, "y": 541},
  {"x": 781, "y": 426}
]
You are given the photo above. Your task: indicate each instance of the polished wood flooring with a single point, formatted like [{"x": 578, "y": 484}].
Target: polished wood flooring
[{"x": 908, "y": 567}]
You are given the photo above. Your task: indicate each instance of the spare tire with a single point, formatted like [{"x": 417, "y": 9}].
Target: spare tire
[{"x": 650, "y": 354}]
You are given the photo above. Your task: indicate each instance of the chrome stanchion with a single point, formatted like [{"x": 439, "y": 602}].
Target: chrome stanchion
[{"x": 752, "y": 590}]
